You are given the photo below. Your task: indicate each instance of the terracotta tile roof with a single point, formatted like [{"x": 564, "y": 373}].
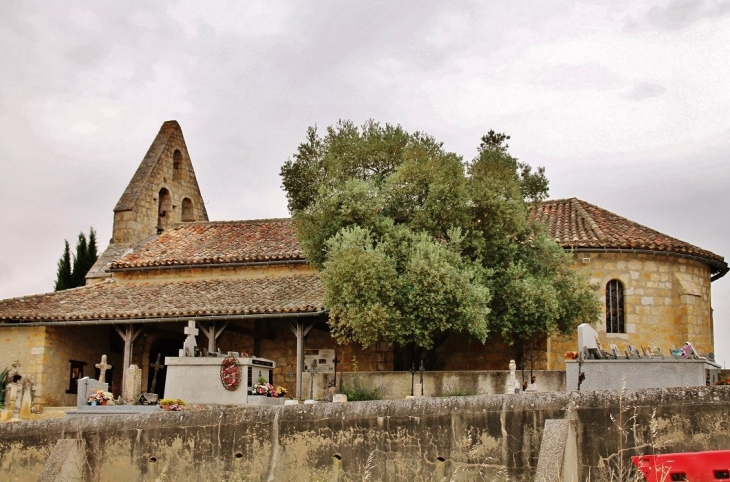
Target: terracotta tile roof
[
  {"x": 204, "y": 243},
  {"x": 578, "y": 224},
  {"x": 113, "y": 300}
]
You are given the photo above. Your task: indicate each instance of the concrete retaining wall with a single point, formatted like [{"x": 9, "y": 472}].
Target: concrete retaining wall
[
  {"x": 467, "y": 438},
  {"x": 396, "y": 385}
]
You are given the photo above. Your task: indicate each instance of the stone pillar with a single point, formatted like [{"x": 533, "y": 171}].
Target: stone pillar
[
  {"x": 513, "y": 386},
  {"x": 24, "y": 413},
  {"x": 132, "y": 385}
]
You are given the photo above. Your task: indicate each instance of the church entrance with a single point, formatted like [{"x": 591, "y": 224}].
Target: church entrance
[{"x": 163, "y": 347}]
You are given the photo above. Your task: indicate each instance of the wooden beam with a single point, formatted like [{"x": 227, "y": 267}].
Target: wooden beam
[
  {"x": 300, "y": 332},
  {"x": 129, "y": 335}
]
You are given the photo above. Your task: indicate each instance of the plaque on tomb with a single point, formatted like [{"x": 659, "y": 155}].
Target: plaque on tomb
[
  {"x": 632, "y": 352},
  {"x": 324, "y": 357},
  {"x": 614, "y": 351}
]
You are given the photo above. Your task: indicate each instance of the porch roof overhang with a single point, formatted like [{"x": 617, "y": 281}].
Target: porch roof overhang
[
  {"x": 175, "y": 319},
  {"x": 114, "y": 303}
]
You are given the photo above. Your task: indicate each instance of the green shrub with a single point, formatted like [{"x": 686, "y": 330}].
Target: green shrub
[
  {"x": 358, "y": 390},
  {"x": 456, "y": 391},
  {"x": 3, "y": 384}
]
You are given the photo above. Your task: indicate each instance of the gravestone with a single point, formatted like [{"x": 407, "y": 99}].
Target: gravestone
[
  {"x": 103, "y": 366},
  {"x": 588, "y": 341},
  {"x": 632, "y": 352},
  {"x": 190, "y": 344},
  {"x": 614, "y": 351},
  {"x": 513, "y": 385},
  {"x": 132, "y": 384},
  {"x": 85, "y": 387},
  {"x": 157, "y": 366},
  {"x": 25, "y": 404},
  {"x": 11, "y": 392}
]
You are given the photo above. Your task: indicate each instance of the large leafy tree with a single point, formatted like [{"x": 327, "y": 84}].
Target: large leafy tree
[
  {"x": 72, "y": 275},
  {"x": 413, "y": 242}
]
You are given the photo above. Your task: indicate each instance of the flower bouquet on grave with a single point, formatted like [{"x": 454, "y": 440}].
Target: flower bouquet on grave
[
  {"x": 281, "y": 391},
  {"x": 100, "y": 397},
  {"x": 265, "y": 388},
  {"x": 173, "y": 404}
]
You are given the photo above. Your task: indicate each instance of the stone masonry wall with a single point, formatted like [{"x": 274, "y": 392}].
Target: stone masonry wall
[
  {"x": 84, "y": 344},
  {"x": 666, "y": 303},
  {"x": 483, "y": 438},
  {"x": 139, "y": 222},
  {"x": 25, "y": 345}
]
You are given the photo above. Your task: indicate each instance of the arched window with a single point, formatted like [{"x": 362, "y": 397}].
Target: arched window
[
  {"x": 188, "y": 211},
  {"x": 177, "y": 165},
  {"x": 164, "y": 210},
  {"x": 615, "y": 307}
]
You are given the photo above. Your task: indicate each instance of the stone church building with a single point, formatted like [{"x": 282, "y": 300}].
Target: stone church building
[{"x": 249, "y": 289}]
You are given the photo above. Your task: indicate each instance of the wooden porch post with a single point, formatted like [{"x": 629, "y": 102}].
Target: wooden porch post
[
  {"x": 209, "y": 330},
  {"x": 129, "y": 336},
  {"x": 300, "y": 332}
]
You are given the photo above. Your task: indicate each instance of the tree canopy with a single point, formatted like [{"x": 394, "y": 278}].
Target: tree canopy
[
  {"x": 412, "y": 241},
  {"x": 72, "y": 275}
]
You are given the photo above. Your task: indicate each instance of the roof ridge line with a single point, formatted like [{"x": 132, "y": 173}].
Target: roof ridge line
[
  {"x": 239, "y": 221},
  {"x": 588, "y": 218}
]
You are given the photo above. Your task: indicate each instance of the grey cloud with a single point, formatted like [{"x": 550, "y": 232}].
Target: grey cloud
[
  {"x": 244, "y": 96},
  {"x": 646, "y": 90},
  {"x": 581, "y": 76},
  {"x": 682, "y": 13}
]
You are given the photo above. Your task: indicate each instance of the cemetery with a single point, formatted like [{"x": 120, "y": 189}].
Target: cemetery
[
  {"x": 201, "y": 350},
  {"x": 533, "y": 407},
  {"x": 392, "y": 440}
]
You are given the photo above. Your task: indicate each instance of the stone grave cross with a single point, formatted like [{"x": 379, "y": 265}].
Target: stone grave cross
[
  {"x": 157, "y": 366},
  {"x": 103, "y": 367},
  {"x": 190, "y": 344},
  {"x": 312, "y": 371}
]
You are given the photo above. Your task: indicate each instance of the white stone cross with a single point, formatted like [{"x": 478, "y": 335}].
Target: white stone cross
[
  {"x": 191, "y": 330},
  {"x": 188, "y": 348},
  {"x": 103, "y": 367}
]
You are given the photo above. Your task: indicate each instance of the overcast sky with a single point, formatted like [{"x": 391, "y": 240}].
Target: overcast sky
[{"x": 626, "y": 104}]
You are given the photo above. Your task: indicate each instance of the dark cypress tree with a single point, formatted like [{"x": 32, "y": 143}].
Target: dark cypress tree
[
  {"x": 91, "y": 254},
  {"x": 82, "y": 251},
  {"x": 72, "y": 276},
  {"x": 63, "y": 276}
]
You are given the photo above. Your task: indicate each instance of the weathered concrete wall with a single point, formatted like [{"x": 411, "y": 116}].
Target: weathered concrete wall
[
  {"x": 396, "y": 385},
  {"x": 666, "y": 302},
  {"x": 467, "y": 438},
  {"x": 636, "y": 374}
]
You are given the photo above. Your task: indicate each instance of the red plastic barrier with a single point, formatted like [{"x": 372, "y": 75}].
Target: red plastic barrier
[{"x": 708, "y": 466}]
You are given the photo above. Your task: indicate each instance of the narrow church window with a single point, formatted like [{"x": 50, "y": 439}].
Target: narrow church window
[
  {"x": 615, "y": 307},
  {"x": 164, "y": 210},
  {"x": 75, "y": 374},
  {"x": 188, "y": 212},
  {"x": 177, "y": 165}
]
